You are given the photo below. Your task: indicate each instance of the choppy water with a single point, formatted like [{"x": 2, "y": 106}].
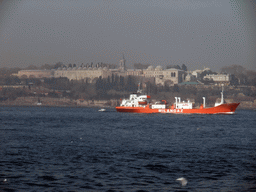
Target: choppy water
[{"x": 80, "y": 149}]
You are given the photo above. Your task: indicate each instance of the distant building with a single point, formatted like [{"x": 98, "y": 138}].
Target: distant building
[
  {"x": 189, "y": 77},
  {"x": 198, "y": 72},
  {"x": 25, "y": 74},
  {"x": 122, "y": 64},
  {"x": 218, "y": 78},
  {"x": 88, "y": 74},
  {"x": 172, "y": 75},
  {"x": 136, "y": 72}
]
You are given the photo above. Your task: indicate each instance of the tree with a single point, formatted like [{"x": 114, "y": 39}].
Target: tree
[
  {"x": 167, "y": 85},
  {"x": 184, "y": 67},
  {"x": 61, "y": 83},
  {"x": 241, "y": 74},
  {"x": 140, "y": 66},
  {"x": 173, "y": 66},
  {"x": 233, "y": 80},
  {"x": 233, "y": 69},
  {"x": 99, "y": 83},
  {"x": 46, "y": 66},
  {"x": 6, "y": 72},
  {"x": 11, "y": 80},
  {"x": 31, "y": 67},
  {"x": 251, "y": 77},
  {"x": 130, "y": 85},
  {"x": 57, "y": 65},
  {"x": 175, "y": 88},
  {"x": 121, "y": 84},
  {"x": 151, "y": 88}
]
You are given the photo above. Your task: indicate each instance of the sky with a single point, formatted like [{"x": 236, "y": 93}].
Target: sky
[{"x": 197, "y": 33}]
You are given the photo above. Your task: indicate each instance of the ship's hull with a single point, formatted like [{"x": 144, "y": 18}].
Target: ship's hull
[{"x": 227, "y": 108}]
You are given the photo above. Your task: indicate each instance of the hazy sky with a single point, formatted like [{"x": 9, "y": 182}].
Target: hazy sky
[{"x": 197, "y": 33}]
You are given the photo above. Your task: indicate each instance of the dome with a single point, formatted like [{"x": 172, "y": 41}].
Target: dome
[
  {"x": 150, "y": 68},
  {"x": 158, "y": 68},
  {"x": 207, "y": 69}
]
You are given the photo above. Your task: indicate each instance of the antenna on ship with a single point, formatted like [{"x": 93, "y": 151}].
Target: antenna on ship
[
  {"x": 222, "y": 98},
  {"x": 139, "y": 90}
]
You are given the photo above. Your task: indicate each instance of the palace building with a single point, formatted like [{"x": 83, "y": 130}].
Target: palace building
[{"x": 90, "y": 73}]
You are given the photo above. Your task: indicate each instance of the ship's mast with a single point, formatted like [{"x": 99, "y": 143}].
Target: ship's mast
[
  {"x": 222, "y": 98},
  {"x": 139, "y": 90}
]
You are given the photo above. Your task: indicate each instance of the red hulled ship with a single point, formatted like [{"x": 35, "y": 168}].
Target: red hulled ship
[{"x": 138, "y": 103}]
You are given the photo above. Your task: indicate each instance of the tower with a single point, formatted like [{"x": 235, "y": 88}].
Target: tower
[{"x": 122, "y": 64}]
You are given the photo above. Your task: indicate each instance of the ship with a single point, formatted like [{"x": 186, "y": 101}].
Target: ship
[
  {"x": 141, "y": 103},
  {"x": 38, "y": 102}
]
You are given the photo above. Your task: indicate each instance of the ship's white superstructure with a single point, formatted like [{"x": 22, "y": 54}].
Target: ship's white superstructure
[{"x": 135, "y": 100}]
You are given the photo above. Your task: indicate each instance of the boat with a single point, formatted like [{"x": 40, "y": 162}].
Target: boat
[
  {"x": 38, "y": 102},
  {"x": 139, "y": 103},
  {"x": 101, "y": 110}
]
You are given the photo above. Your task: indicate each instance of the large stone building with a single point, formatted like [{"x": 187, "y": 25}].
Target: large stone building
[
  {"x": 195, "y": 75},
  {"x": 88, "y": 74},
  {"x": 158, "y": 75},
  {"x": 24, "y": 74},
  {"x": 122, "y": 66},
  {"x": 171, "y": 76},
  {"x": 218, "y": 78}
]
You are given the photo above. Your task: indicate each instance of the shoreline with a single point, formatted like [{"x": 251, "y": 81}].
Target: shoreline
[
  {"x": 243, "y": 107},
  {"x": 65, "y": 102}
]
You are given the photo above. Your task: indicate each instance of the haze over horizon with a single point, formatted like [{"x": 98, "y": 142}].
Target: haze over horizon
[{"x": 199, "y": 33}]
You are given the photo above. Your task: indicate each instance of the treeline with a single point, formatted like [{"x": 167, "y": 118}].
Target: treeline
[
  {"x": 240, "y": 75},
  {"x": 116, "y": 87},
  {"x": 108, "y": 88},
  {"x": 7, "y": 72}
]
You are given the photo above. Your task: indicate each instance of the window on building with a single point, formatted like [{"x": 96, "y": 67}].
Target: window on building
[{"x": 173, "y": 74}]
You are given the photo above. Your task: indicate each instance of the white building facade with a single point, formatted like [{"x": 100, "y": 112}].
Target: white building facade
[
  {"x": 172, "y": 76},
  {"x": 219, "y": 78}
]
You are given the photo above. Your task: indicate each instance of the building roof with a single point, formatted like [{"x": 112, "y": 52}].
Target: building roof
[{"x": 171, "y": 69}]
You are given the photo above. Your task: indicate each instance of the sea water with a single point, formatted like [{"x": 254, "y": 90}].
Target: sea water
[{"x": 82, "y": 149}]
